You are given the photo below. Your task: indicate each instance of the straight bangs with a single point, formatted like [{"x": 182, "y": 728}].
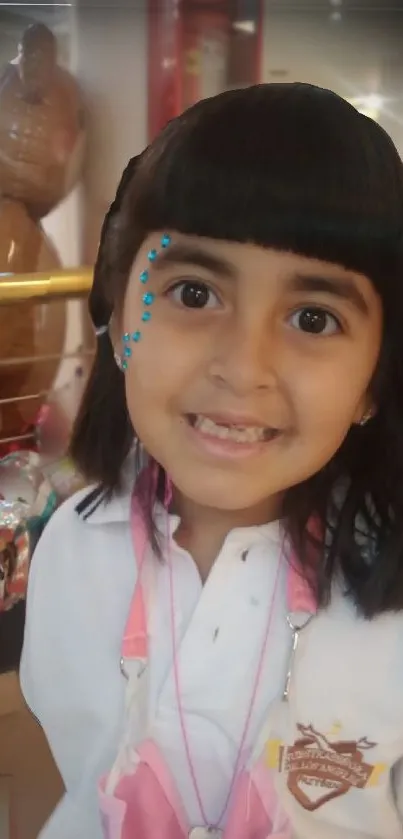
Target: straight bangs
[{"x": 291, "y": 167}]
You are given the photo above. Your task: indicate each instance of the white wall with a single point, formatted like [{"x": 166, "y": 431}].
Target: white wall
[
  {"x": 358, "y": 55},
  {"x": 112, "y": 55},
  {"x": 109, "y": 58}
]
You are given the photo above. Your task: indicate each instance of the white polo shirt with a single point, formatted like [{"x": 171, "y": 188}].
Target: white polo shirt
[{"x": 347, "y": 685}]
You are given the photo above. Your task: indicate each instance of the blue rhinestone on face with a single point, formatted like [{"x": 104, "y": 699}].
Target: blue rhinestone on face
[
  {"x": 127, "y": 352},
  {"x": 124, "y": 365},
  {"x": 148, "y": 298}
]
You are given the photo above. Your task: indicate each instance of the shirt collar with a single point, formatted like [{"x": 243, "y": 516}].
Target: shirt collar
[
  {"x": 117, "y": 510},
  {"x": 114, "y": 509}
]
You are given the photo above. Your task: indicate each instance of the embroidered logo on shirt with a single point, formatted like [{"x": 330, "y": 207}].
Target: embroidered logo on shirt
[{"x": 319, "y": 770}]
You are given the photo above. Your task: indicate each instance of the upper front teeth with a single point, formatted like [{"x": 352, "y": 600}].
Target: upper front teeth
[{"x": 224, "y": 432}]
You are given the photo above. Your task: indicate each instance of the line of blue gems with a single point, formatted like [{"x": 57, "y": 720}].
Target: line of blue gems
[{"x": 148, "y": 300}]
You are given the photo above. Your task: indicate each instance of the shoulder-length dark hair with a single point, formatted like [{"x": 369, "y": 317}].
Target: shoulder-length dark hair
[{"x": 297, "y": 168}]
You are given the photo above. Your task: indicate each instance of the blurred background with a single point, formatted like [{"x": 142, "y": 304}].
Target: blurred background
[{"x": 84, "y": 86}]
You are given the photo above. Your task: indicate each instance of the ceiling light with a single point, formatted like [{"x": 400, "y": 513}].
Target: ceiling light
[
  {"x": 247, "y": 26},
  {"x": 370, "y": 105}
]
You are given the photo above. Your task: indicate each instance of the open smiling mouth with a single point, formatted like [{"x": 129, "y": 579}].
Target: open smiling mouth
[{"x": 231, "y": 432}]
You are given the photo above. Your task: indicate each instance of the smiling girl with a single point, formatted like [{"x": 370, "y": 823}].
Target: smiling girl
[{"x": 214, "y": 640}]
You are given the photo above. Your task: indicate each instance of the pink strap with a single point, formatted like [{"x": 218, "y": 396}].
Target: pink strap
[
  {"x": 135, "y": 639},
  {"x": 300, "y": 597}
]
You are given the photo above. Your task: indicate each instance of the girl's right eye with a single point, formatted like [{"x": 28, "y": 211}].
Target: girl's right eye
[{"x": 193, "y": 294}]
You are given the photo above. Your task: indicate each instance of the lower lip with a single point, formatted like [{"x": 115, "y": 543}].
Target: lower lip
[{"x": 225, "y": 448}]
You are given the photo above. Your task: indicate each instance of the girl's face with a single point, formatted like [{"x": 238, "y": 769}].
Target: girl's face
[{"x": 253, "y": 367}]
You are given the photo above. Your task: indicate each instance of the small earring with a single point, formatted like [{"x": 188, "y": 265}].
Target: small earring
[{"x": 367, "y": 417}]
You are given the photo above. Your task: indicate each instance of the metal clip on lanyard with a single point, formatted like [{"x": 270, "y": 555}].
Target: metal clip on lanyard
[{"x": 296, "y": 629}]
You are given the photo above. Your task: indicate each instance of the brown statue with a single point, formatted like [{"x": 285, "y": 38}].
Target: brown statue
[
  {"x": 41, "y": 125},
  {"x": 41, "y": 153}
]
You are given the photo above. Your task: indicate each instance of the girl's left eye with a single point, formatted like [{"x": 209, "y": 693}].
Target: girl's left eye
[
  {"x": 315, "y": 321},
  {"x": 193, "y": 294}
]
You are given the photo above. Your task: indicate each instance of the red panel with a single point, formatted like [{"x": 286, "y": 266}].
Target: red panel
[
  {"x": 193, "y": 53},
  {"x": 164, "y": 83}
]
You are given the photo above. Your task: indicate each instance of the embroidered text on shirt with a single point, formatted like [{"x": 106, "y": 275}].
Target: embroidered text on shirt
[{"x": 319, "y": 770}]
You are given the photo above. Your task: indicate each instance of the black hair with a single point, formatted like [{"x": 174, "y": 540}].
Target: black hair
[
  {"x": 294, "y": 167},
  {"x": 38, "y": 35}
]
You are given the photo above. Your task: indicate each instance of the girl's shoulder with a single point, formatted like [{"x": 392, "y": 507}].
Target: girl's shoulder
[
  {"x": 80, "y": 586},
  {"x": 84, "y": 538}
]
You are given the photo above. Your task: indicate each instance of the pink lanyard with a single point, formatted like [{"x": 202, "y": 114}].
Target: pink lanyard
[{"x": 301, "y": 608}]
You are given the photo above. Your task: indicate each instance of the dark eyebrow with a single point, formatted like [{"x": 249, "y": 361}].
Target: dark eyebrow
[
  {"x": 182, "y": 254},
  {"x": 341, "y": 287}
]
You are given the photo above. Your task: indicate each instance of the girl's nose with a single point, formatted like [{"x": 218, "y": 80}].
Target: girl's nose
[{"x": 244, "y": 359}]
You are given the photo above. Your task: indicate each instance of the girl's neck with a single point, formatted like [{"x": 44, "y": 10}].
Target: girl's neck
[{"x": 203, "y": 530}]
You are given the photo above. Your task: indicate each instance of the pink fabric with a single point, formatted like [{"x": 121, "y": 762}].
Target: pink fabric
[
  {"x": 300, "y": 596},
  {"x": 135, "y": 641},
  {"x": 113, "y": 812},
  {"x": 146, "y": 804}
]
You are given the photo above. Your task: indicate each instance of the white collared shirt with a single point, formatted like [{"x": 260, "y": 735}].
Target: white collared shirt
[{"x": 347, "y": 683}]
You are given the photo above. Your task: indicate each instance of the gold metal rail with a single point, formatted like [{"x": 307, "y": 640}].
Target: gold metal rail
[
  {"x": 72, "y": 282},
  {"x": 66, "y": 284}
]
